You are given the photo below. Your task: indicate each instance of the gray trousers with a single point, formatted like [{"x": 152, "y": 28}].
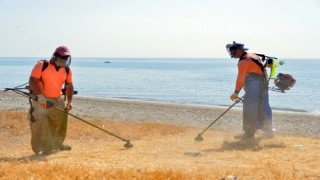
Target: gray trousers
[
  {"x": 257, "y": 113},
  {"x": 48, "y": 126}
]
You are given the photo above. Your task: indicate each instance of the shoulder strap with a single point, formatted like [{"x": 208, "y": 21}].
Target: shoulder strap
[
  {"x": 263, "y": 68},
  {"x": 255, "y": 61},
  {"x": 67, "y": 70},
  {"x": 45, "y": 65}
]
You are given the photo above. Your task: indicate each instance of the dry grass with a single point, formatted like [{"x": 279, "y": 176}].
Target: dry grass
[{"x": 160, "y": 151}]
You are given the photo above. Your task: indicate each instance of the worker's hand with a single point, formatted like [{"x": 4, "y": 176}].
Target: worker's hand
[
  {"x": 68, "y": 106},
  {"x": 42, "y": 100},
  {"x": 234, "y": 97}
]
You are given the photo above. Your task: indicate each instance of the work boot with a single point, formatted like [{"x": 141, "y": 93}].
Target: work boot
[
  {"x": 245, "y": 136},
  {"x": 65, "y": 148}
]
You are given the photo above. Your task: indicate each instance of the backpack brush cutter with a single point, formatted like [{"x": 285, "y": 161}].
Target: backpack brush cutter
[{"x": 283, "y": 82}]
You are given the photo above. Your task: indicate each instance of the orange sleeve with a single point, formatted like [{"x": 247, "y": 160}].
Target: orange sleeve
[
  {"x": 242, "y": 74},
  {"x": 69, "y": 78},
  {"x": 37, "y": 70},
  {"x": 245, "y": 67}
]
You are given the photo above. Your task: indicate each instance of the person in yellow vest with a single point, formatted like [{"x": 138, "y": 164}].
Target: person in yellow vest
[{"x": 49, "y": 124}]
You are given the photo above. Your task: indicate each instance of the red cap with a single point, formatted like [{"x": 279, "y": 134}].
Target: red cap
[{"x": 62, "y": 51}]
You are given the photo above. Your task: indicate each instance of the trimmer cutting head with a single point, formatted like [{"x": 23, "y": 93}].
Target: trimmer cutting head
[
  {"x": 128, "y": 145},
  {"x": 198, "y": 138}
]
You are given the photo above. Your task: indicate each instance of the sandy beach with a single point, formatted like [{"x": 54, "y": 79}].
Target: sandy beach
[{"x": 162, "y": 135}]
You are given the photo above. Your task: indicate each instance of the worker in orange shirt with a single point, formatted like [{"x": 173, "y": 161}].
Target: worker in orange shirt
[
  {"x": 49, "y": 124},
  {"x": 252, "y": 77}
]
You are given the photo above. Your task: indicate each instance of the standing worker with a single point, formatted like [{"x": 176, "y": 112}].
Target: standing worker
[
  {"x": 49, "y": 124},
  {"x": 253, "y": 79}
]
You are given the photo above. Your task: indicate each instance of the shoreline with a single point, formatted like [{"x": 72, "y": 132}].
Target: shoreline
[
  {"x": 280, "y": 110},
  {"x": 200, "y": 116}
]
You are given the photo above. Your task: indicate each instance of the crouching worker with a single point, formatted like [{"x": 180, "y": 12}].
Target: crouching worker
[
  {"x": 252, "y": 77},
  {"x": 49, "y": 124}
]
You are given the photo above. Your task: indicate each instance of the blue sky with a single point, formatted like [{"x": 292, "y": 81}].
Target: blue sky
[{"x": 159, "y": 28}]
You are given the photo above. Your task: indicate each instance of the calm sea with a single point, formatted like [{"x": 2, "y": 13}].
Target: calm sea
[{"x": 187, "y": 81}]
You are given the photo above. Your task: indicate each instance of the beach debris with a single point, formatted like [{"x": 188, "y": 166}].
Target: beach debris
[
  {"x": 230, "y": 177},
  {"x": 193, "y": 153},
  {"x": 298, "y": 145}
]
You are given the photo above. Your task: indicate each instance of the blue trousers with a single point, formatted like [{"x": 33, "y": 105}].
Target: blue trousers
[{"x": 257, "y": 113}]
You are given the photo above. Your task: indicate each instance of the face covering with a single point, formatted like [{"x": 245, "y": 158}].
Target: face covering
[{"x": 61, "y": 62}]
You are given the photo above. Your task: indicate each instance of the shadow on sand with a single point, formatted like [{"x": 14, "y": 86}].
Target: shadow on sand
[
  {"x": 246, "y": 144},
  {"x": 26, "y": 159}
]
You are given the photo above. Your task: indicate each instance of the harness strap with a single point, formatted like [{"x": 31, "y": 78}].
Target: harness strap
[
  {"x": 32, "y": 119},
  {"x": 46, "y": 63},
  {"x": 257, "y": 62},
  {"x": 253, "y": 60}
]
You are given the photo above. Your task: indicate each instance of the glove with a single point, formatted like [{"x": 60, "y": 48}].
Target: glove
[
  {"x": 68, "y": 106},
  {"x": 234, "y": 97},
  {"x": 42, "y": 100}
]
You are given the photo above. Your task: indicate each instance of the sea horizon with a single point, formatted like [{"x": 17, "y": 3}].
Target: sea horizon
[{"x": 199, "y": 81}]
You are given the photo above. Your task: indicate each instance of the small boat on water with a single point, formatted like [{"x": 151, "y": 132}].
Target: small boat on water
[{"x": 107, "y": 62}]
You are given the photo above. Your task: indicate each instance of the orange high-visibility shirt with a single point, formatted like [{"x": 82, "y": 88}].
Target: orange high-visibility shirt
[
  {"x": 245, "y": 67},
  {"x": 51, "y": 80}
]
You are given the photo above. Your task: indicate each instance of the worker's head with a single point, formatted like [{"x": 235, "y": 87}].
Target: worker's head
[
  {"x": 62, "y": 56},
  {"x": 236, "y": 50}
]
